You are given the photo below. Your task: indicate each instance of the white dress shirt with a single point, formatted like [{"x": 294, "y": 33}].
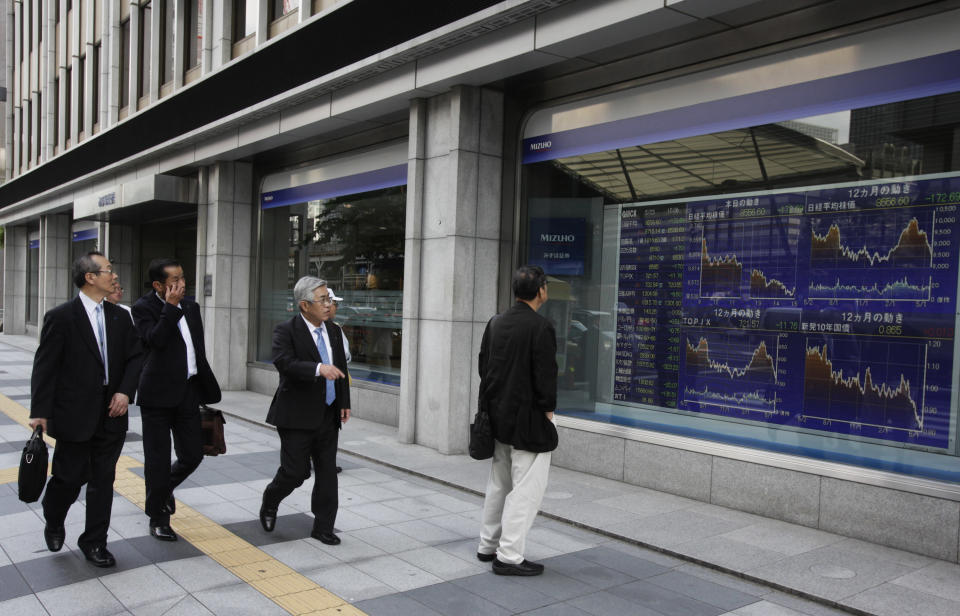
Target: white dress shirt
[
  {"x": 326, "y": 339},
  {"x": 188, "y": 340},
  {"x": 91, "y": 306}
]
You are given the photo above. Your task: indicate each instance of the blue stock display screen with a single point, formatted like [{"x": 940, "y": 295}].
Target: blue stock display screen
[{"x": 828, "y": 309}]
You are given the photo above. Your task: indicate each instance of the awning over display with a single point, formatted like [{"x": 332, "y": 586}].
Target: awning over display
[{"x": 744, "y": 158}]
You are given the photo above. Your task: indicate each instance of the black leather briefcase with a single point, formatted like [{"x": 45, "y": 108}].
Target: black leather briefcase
[{"x": 33, "y": 468}]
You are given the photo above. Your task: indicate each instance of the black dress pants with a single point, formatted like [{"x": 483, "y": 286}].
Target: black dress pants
[
  {"x": 160, "y": 476},
  {"x": 297, "y": 447},
  {"x": 92, "y": 462}
]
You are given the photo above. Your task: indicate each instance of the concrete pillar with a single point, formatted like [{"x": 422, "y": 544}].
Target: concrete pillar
[
  {"x": 451, "y": 261},
  {"x": 15, "y": 280},
  {"x": 121, "y": 244},
  {"x": 55, "y": 262},
  {"x": 224, "y": 249}
]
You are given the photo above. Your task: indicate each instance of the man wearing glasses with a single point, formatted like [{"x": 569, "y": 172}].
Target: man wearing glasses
[
  {"x": 311, "y": 403},
  {"x": 176, "y": 380},
  {"x": 85, "y": 372}
]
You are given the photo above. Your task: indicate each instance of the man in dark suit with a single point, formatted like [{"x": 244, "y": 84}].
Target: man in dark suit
[
  {"x": 311, "y": 403},
  {"x": 518, "y": 387},
  {"x": 85, "y": 372},
  {"x": 176, "y": 379}
]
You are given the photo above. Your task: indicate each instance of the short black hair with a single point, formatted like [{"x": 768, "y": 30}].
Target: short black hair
[
  {"x": 527, "y": 282},
  {"x": 85, "y": 265},
  {"x": 157, "y": 268}
]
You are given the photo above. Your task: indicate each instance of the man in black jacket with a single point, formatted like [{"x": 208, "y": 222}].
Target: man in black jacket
[
  {"x": 311, "y": 403},
  {"x": 176, "y": 379},
  {"x": 518, "y": 387},
  {"x": 85, "y": 372}
]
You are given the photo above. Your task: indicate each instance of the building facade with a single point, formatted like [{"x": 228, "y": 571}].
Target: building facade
[{"x": 747, "y": 211}]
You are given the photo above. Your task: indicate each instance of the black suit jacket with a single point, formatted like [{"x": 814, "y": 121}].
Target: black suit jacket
[
  {"x": 164, "y": 378},
  {"x": 518, "y": 378},
  {"x": 300, "y": 399},
  {"x": 67, "y": 381}
]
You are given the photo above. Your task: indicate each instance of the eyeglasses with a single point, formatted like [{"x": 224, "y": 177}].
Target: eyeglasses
[
  {"x": 98, "y": 272},
  {"x": 323, "y": 300}
]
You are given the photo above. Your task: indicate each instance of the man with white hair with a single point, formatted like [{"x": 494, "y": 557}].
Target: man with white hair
[{"x": 311, "y": 403}]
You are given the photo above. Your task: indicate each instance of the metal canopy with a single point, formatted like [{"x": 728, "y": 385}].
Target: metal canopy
[{"x": 728, "y": 161}]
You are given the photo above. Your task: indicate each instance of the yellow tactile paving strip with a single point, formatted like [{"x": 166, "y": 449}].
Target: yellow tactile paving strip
[{"x": 276, "y": 581}]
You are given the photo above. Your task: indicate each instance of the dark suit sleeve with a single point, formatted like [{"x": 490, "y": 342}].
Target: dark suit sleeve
[
  {"x": 285, "y": 356},
  {"x": 545, "y": 369},
  {"x": 46, "y": 366},
  {"x": 133, "y": 351},
  {"x": 157, "y": 330}
]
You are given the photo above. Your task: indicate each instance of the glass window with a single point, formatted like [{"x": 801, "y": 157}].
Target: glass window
[
  {"x": 143, "y": 74},
  {"x": 95, "y": 101},
  {"x": 167, "y": 40},
  {"x": 68, "y": 94},
  {"x": 33, "y": 281},
  {"x": 56, "y": 112},
  {"x": 789, "y": 286},
  {"x": 124, "y": 81},
  {"x": 193, "y": 44},
  {"x": 244, "y": 18},
  {"x": 279, "y": 8},
  {"x": 354, "y": 242},
  {"x": 81, "y": 77}
]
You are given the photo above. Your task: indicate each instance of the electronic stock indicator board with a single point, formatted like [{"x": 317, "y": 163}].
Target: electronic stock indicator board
[{"x": 828, "y": 309}]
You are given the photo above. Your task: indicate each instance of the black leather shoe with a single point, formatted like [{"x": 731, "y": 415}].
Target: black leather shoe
[
  {"x": 54, "y": 537},
  {"x": 339, "y": 469},
  {"x": 100, "y": 556},
  {"x": 163, "y": 532},
  {"x": 526, "y": 568},
  {"x": 485, "y": 558},
  {"x": 268, "y": 519},
  {"x": 169, "y": 507},
  {"x": 328, "y": 538}
]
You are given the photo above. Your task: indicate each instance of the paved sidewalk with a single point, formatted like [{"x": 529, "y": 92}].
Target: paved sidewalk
[{"x": 409, "y": 519}]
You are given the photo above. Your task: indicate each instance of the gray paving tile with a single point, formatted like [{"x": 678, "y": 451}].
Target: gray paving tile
[
  {"x": 288, "y": 528},
  {"x": 198, "y": 573},
  {"x": 940, "y": 578},
  {"x": 452, "y": 600},
  {"x": 675, "y": 528},
  {"x": 24, "y": 547},
  {"x": 663, "y": 600},
  {"x": 366, "y": 475},
  {"x": 831, "y": 572},
  {"x": 186, "y": 606},
  {"x": 558, "y": 586},
  {"x": 730, "y": 553},
  {"x": 506, "y": 592},
  {"x": 27, "y": 605},
  {"x": 12, "y": 584},
  {"x": 238, "y": 600},
  {"x": 464, "y": 549},
  {"x": 782, "y": 537},
  {"x": 154, "y": 550},
  {"x": 561, "y": 540},
  {"x": 604, "y": 604},
  {"x": 350, "y": 551},
  {"x": 89, "y": 597},
  {"x": 141, "y": 586},
  {"x": 896, "y": 600},
  {"x": 415, "y": 506},
  {"x": 557, "y": 609},
  {"x": 442, "y": 564},
  {"x": 425, "y": 532},
  {"x": 61, "y": 569},
  {"x": 633, "y": 566},
  {"x": 399, "y": 574},
  {"x": 387, "y": 539},
  {"x": 381, "y": 513},
  {"x": 301, "y": 554},
  {"x": 349, "y": 583},
  {"x": 412, "y": 488},
  {"x": 457, "y": 524},
  {"x": 227, "y": 513},
  {"x": 374, "y": 492},
  {"x": 454, "y": 504},
  {"x": 766, "y": 608},
  {"x": 394, "y": 605},
  {"x": 804, "y": 606},
  {"x": 725, "y": 579},
  {"x": 588, "y": 572},
  {"x": 703, "y": 590},
  {"x": 20, "y": 523}
]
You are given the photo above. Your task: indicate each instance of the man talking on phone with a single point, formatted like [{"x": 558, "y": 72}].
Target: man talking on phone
[{"x": 175, "y": 380}]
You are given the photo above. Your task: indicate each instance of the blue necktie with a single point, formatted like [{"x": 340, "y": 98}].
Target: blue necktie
[
  {"x": 102, "y": 342},
  {"x": 325, "y": 358}
]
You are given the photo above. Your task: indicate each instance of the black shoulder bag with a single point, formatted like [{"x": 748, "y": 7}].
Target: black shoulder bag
[{"x": 481, "y": 430}]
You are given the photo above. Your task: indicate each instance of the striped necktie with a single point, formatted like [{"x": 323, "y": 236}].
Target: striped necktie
[
  {"x": 102, "y": 341},
  {"x": 325, "y": 358}
]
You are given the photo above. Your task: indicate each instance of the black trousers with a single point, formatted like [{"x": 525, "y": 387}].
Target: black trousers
[
  {"x": 297, "y": 448},
  {"x": 92, "y": 462},
  {"x": 160, "y": 476}
]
